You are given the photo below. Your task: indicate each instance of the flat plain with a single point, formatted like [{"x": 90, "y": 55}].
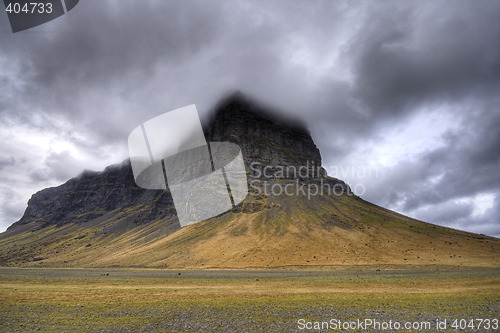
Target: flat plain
[{"x": 147, "y": 300}]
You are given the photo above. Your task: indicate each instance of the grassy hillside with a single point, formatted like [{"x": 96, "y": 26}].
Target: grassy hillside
[{"x": 264, "y": 232}]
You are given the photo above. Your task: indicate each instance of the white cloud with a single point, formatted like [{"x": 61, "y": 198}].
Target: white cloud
[{"x": 44, "y": 154}]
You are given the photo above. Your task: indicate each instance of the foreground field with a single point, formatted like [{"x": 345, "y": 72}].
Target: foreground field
[{"x": 125, "y": 300}]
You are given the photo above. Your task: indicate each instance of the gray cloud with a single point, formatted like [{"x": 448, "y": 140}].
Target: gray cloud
[
  {"x": 405, "y": 57},
  {"x": 449, "y": 212},
  {"x": 74, "y": 88},
  {"x": 7, "y": 161},
  {"x": 468, "y": 164}
]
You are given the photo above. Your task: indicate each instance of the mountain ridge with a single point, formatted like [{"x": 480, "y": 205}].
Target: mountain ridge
[{"x": 103, "y": 219}]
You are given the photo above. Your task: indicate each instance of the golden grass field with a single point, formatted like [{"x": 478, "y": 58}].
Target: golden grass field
[{"x": 154, "y": 300}]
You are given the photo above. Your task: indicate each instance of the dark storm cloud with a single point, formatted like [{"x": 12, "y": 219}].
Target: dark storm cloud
[
  {"x": 466, "y": 165},
  {"x": 10, "y": 207},
  {"x": 405, "y": 57},
  {"x": 58, "y": 166},
  {"x": 411, "y": 59},
  {"x": 489, "y": 221},
  {"x": 433, "y": 185},
  {"x": 109, "y": 52},
  {"x": 448, "y": 213},
  {"x": 353, "y": 70}
]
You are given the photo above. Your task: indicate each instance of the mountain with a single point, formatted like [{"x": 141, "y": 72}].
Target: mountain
[{"x": 294, "y": 216}]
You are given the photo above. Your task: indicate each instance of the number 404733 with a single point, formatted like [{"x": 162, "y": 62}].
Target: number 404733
[{"x": 29, "y": 8}]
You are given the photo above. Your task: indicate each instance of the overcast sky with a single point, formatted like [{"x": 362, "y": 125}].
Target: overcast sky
[{"x": 402, "y": 98}]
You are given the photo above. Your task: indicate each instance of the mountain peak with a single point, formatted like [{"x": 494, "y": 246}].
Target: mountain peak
[
  {"x": 265, "y": 136},
  {"x": 238, "y": 102}
]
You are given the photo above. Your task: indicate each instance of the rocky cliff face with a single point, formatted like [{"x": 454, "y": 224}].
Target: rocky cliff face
[
  {"x": 94, "y": 194},
  {"x": 265, "y": 139}
]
